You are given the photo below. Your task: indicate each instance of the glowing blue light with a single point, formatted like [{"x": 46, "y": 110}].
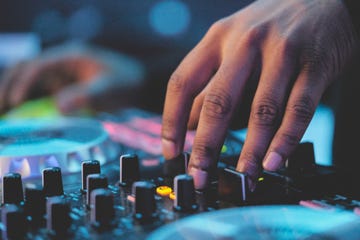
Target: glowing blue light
[{"x": 169, "y": 18}]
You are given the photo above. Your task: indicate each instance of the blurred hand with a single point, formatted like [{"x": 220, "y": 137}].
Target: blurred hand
[
  {"x": 300, "y": 47},
  {"x": 78, "y": 76}
]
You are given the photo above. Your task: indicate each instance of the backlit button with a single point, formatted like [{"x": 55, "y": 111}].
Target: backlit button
[
  {"x": 163, "y": 191},
  {"x": 172, "y": 196}
]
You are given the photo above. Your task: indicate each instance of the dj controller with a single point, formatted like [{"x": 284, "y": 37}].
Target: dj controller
[{"x": 105, "y": 178}]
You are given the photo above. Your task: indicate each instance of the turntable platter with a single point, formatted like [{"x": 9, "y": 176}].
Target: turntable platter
[{"x": 263, "y": 222}]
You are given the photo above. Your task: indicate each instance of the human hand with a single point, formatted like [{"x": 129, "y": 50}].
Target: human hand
[
  {"x": 78, "y": 76},
  {"x": 300, "y": 47}
]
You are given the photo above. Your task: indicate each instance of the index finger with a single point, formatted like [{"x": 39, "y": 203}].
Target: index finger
[{"x": 186, "y": 82}]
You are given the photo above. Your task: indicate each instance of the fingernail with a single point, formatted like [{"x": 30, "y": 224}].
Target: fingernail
[
  {"x": 200, "y": 177},
  {"x": 273, "y": 161},
  {"x": 169, "y": 148}
]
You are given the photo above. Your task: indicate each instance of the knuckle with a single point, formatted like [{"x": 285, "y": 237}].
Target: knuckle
[
  {"x": 266, "y": 112},
  {"x": 290, "y": 139},
  {"x": 203, "y": 155},
  {"x": 288, "y": 47},
  {"x": 302, "y": 109},
  {"x": 217, "y": 105},
  {"x": 176, "y": 83},
  {"x": 255, "y": 34},
  {"x": 218, "y": 27}
]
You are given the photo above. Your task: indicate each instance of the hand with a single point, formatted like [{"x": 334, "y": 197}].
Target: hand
[
  {"x": 78, "y": 76},
  {"x": 300, "y": 46}
]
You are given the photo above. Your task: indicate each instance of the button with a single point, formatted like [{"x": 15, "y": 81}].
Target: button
[
  {"x": 163, "y": 191},
  {"x": 129, "y": 169},
  {"x": 14, "y": 222},
  {"x": 95, "y": 181},
  {"x": 184, "y": 193},
  {"x": 58, "y": 220},
  {"x": 145, "y": 205},
  {"x": 102, "y": 208},
  {"x": 52, "y": 182},
  {"x": 88, "y": 167},
  {"x": 12, "y": 189}
]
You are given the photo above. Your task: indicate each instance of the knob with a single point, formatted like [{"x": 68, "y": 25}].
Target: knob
[
  {"x": 302, "y": 160},
  {"x": 35, "y": 202},
  {"x": 58, "y": 220},
  {"x": 185, "y": 199},
  {"x": 102, "y": 207},
  {"x": 52, "y": 182},
  {"x": 145, "y": 205},
  {"x": 14, "y": 222},
  {"x": 12, "y": 189},
  {"x": 176, "y": 166},
  {"x": 95, "y": 181},
  {"x": 88, "y": 167},
  {"x": 129, "y": 169}
]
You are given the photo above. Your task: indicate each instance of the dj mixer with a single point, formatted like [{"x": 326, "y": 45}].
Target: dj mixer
[{"x": 105, "y": 178}]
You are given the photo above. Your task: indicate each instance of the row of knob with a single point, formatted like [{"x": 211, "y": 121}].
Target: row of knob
[{"x": 48, "y": 201}]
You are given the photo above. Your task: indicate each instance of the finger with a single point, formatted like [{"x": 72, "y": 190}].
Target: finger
[
  {"x": 186, "y": 82},
  {"x": 196, "y": 109},
  {"x": 223, "y": 95},
  {"x": 266, "y": 111},
  {"x": 300, "y": 109},
  {"x": 8, "y": 80}
]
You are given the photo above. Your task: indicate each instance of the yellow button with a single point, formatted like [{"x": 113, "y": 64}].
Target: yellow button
[
  {"x": 172, "y": 196},
  {"x": 163, "y": 190}
]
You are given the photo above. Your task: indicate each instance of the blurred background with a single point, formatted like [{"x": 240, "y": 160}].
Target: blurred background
[{"x": 156, "y": 34}]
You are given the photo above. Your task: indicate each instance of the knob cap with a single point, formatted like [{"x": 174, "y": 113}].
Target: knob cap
[
  {"x": 95, "y": 181},
  {"x": 58, "y": 215},
  {"x": 12, "y": 189},
  {"x": 35, "y": 202},
  {"x": 176, "y": 166},
  {"x": 129, "y": 169},
  {"x": 52, "y": 182},
  {"x": 14, "y": 221},
  {"x": 102, "y": 207},
  {"x": 302, "y": 160},
  {"x": 185, "y": 199},
  {"x": 88, "y": 167},
  {"x": 145, "y": 205}
]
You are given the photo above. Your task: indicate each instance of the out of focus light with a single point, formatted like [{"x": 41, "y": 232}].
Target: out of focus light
[
  {"x": 86, "y": 23},
  {"x": 169, "y": 18},
  {"x": 50, "y": 25}
]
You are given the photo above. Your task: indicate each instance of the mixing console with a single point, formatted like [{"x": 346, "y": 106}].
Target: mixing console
[{"x": 138, "y": 193}]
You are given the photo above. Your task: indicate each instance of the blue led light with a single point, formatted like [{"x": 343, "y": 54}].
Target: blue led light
[{"x": 169, "y": 18}]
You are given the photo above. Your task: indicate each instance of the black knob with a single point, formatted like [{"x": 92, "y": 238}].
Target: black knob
[
  {"x": 176, "y": 166},
  {"x": 95, "y": 181},
  {"x": 302, "y": 160},
  {"x": 14, "y": 222},
  {"x": 185, "y": 199},
  {"x": 129, "y": 169},
  {"x": 145, "y": 205},
  {"x": 102, "y": 208},
  {"x": 52, "y": 182},
  {"x": 58, "y": 220},
  {"x": 12, "y": 189},
  {"x": 35, "y": 202},
  {"x": 88, "y": 167}
]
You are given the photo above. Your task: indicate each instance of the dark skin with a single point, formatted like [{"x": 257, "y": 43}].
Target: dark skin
[{"x": 301, "y": 47}]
